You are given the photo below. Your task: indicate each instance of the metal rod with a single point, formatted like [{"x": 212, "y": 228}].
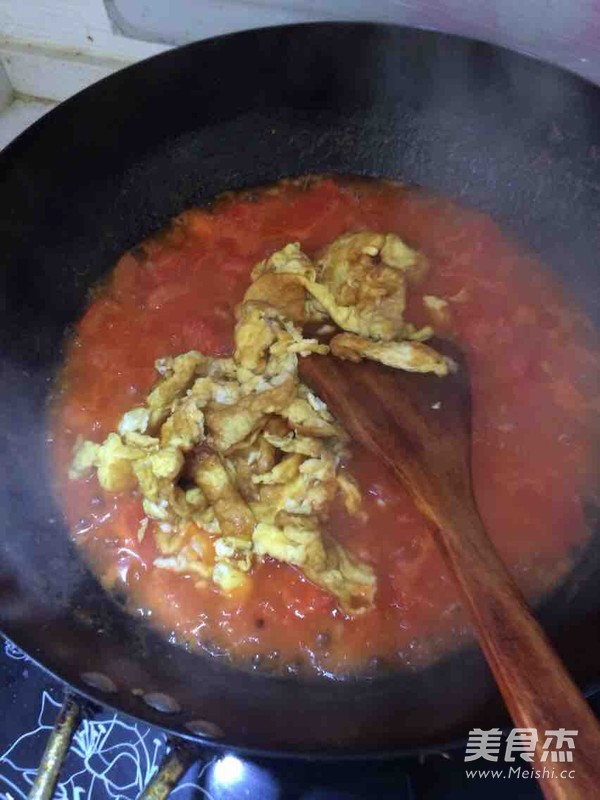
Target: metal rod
[
  {"x": 177, "y": 761},
  {"x": 56, "y": 750}
]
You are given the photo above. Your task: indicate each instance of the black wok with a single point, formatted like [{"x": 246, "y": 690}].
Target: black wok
[{"x": 501, "y": 132}]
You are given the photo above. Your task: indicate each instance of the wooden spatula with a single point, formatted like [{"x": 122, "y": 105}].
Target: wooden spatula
[{"x": 421, "y": 426}]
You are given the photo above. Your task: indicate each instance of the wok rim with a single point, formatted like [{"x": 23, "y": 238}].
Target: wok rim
[{"x": 12, "y": 151}]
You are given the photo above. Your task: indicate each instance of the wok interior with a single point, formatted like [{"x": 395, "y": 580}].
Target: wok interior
[{"x": 509, "y": 136}]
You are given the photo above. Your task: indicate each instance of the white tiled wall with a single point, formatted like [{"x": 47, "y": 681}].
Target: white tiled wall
[
  {"x": 50, "y": 49},
  {"x": 6, "y": 90},
  {"x": 80, "y": 27},
  {"x": 18, "y": 116},
  {"x": 564, "y": 31}
]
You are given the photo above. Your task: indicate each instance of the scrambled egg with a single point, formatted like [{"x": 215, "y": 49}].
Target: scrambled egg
[
  {"x": 410, "y": 356},
  {"x": 235, "y": 459}
]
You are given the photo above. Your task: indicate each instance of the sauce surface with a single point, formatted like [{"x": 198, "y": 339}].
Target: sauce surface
[{"x": 535, "y": 376}]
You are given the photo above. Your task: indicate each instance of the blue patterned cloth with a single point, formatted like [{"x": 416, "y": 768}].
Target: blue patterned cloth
[{"x": 113, "y": 758}]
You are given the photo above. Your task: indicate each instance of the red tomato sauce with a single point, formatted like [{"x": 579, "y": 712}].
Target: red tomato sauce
[{"x": 535, "y": 380}]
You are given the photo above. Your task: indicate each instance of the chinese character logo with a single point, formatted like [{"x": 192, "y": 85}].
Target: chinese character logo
[
  {"x": 484, "y": 744},
  {"x": 521, "y": 741},
  {"x": 563, "y": 745},
  {"x": 558, "y": 745}
]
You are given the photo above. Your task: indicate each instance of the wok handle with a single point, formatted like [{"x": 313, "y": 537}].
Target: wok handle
[
  {"x": 536, "y": 687},
  {"x": 56, "y": 750},
  {"x": 180, "y": 756}
]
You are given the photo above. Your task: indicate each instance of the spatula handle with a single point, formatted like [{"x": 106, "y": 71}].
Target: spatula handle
[
  {"x": 421, "y": 429},
  {"x": 537, "y": 690}
]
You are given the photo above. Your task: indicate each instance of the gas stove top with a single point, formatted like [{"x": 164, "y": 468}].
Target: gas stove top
[{"x": 114, "y": 757}]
